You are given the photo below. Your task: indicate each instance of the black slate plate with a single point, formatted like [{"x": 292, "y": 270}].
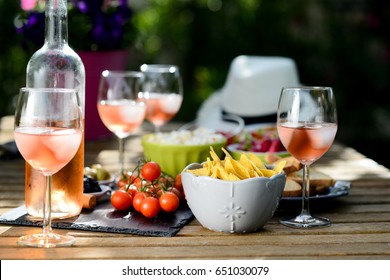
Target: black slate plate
[{"x": 105, "y": 219}]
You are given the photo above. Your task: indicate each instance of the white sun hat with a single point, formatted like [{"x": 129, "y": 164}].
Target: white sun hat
[{"x": 252, "y": 89}]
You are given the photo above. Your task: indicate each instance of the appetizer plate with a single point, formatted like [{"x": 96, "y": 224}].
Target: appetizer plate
[
  {"x": 108, "y": 181},
  {"x": 255, "y": 136},
  {"x": 340, "y": 188},
  {"x": 236, "y": 153},
  {"x": 104, "y": 194}
]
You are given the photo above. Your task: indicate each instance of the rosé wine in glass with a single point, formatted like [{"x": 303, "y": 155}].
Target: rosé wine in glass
[
  {"x": 161, "y": 108},
  {"x": 40, "y": 146},
  {"x": 48, "y": 133},
  {"x": 162, "y": 91},
  {"x": 307, "y": 126},
  {"x": 122, "y": 117},
  {"x": 307, "y": 142},
  {"x": 120, "y": 105}
]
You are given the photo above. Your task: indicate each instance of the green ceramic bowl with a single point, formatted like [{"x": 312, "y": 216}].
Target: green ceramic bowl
[
  {"x": 174, "y": 158},
  {"x": 236, "y": 153}
]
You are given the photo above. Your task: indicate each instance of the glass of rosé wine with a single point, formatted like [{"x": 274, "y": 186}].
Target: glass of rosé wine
[
  {"x": 162, "y": 92},
  {"x": 307, "y": 126},
  {"x": 119, "y": 105},
  {"x": 48, "y": 132}
]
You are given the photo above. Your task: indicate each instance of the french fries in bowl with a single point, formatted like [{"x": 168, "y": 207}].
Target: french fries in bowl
[{"x": 231, "y": 195}]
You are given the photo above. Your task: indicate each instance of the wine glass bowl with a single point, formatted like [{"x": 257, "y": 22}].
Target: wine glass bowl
[
  {"x": 307, "y": 126},
  {"x": 162, "y": 91},
  {"x": 48, "y": 132},
  {"x": 119, "y": 105}
]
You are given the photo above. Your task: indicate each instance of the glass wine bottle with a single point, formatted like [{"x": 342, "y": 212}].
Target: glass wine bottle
[{"x": 56, "y": 65}]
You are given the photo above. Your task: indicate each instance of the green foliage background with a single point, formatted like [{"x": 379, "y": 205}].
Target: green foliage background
[{"x": 338, "y": 43}]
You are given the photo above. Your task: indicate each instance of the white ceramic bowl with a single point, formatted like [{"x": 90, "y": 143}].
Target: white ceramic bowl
[{"x": 232, "y": 206}]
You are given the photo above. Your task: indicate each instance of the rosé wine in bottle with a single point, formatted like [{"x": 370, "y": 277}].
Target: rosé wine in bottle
[{"x": 56, "y": 65}]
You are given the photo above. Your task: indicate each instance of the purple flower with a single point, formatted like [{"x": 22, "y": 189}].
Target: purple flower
[
  {"x": 34, "y": 28},
  {"x": 92, "y": 24}
]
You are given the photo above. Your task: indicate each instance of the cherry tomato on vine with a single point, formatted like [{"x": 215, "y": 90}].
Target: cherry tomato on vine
[
  {"x": 136, "y": 181},
  {"x": 121, "y": 200},
  {"x": 178, "y": 183},
  {"x": 150, "y": 207},
  {"x": 137, "y": 201},
  {"x": 179, "y": 194},
  {"x": 150, "y": 171},
  {"x": 169, "y": 201},
  {"x": 127, "y": 177},
  {"x": 123, "y": 180},
  {"x": 133, "y": 190}
]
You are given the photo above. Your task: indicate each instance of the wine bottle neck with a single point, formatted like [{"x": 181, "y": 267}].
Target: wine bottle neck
[{"x": 56, "y": 23}]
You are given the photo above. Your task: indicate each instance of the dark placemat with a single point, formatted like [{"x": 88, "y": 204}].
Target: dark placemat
[{"x": 105, "y": 219}]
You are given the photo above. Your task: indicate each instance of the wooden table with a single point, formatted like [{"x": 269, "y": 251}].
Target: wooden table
[{"x": 360, "y": 221}]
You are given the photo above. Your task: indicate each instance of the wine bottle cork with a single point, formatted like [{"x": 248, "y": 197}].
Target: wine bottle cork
[{"x": 89, "y": 201}]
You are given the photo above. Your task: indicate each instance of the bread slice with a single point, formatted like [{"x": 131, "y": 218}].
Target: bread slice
[
  {"x": 319, "y": 181},
  {"x": 292, "y": 188},
  {"x": 317, "y": 178},
  {"x": 292, "y": 164}
]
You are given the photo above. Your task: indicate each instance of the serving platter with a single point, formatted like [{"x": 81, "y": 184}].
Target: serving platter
[
  {"x": 104, "y": 194},
  {"x": 340, "y": 188},
  {"x": 108, "y": 181}
]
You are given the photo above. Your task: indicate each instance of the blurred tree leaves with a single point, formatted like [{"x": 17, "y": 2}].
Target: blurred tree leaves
[
  {"x": 13, "y": 58},
  {"x": 338, "y": 43}
]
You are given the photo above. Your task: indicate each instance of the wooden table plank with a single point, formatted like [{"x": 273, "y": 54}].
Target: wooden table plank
[{"x": 315, "y": 251}]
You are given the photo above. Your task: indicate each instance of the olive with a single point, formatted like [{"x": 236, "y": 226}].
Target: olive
[
  {"x": 89, "y": 172},
  {"x": 96, "y": 166},
  {"x": 102, "y": 174},
  {"x": 91, "y": 185}
]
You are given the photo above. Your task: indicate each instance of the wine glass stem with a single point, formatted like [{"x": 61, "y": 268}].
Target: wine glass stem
[
  {"x": 122, "y": 154},
  {"x": 305, "y": 190},
  {"x": 47, "y": 205}
]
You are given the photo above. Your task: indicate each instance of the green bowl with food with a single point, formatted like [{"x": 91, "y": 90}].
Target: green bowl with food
[{"x": 174, "y": 150}]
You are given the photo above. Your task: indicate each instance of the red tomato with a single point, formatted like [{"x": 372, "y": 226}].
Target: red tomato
[
  {"x": 137, "y": 201},
  {"x": 121, "y": 200},
  {"x": 136, "y": 181},
  {"x": 178, "y": 193},
  {"x": 131, "y": 190},
  {"x": 150, "y": 171},
  {"x": 150, "y": 207},
  {"x": 169, "y": 201},
  {"x": 128, "y": 177},
  {"x": 123, "y": 181},
  {"x": 178, "y": 183}
]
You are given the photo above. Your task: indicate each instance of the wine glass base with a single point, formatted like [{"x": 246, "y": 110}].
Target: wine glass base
[
  {"x": 48, "y": 240},
  {"x": 305, "y": 221}
]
